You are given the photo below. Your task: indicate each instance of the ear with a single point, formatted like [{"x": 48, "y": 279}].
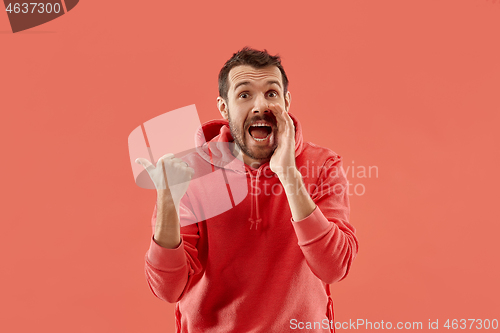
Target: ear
[
  {"x": 222, "y": 106},
  {"x": 288, "y": 100}
]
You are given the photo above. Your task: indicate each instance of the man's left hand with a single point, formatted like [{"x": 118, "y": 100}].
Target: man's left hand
[{"x": 283, "y": 159}]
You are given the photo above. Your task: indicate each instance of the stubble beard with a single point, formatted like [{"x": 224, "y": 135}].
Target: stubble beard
[{"x": 239, "y": 139}]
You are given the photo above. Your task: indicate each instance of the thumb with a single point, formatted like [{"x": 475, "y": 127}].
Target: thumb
[{"x": 144, "y": 162}]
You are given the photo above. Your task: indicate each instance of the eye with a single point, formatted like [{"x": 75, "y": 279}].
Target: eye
[
  {"x": 273, "y": 94},
  {"x": 243, "y": 95}
]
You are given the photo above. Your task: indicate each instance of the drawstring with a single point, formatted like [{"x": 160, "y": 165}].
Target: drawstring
[
  {"x": 329, "y": 309},
  {"x": 251, "y": 219},
  {"x": 177, "y": 318},
  {"x": 254, "y": 222},
  {"x": 252, "y": 195},
  {"x": 251, "y": 203},
  {"x": 329, "y": 313}
]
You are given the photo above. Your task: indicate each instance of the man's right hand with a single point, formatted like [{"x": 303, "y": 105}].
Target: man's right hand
[
  {"x": 170, "y": 174},
  {"x": 171, "y": 177}
]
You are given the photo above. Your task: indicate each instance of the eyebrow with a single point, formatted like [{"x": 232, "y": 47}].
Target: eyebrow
[{"x": 248, "y": 82}]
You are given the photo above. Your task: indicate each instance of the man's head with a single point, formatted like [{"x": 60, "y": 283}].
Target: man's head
[
  {"x": 248, "y": 83},
  {"x": 253, "y": 58}
]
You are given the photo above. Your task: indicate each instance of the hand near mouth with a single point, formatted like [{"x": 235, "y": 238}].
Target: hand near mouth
[
  {"x": 283, "y": 159},
  {"x": 283, "y": 164}
]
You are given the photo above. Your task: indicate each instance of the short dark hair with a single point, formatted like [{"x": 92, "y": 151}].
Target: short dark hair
[{"x": 251, "y": 57}]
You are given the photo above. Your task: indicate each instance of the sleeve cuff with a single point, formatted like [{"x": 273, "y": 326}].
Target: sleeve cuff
[
  {"x": 312, "y": 228},
  {"x": 166, "y": 259}
]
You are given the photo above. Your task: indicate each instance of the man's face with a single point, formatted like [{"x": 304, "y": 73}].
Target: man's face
[{"x": 252, "y": 124}]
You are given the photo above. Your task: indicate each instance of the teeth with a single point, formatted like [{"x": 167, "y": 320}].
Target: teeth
[
  {"x": 260, "y": 125},
  {"x": 262, "y": 138}
]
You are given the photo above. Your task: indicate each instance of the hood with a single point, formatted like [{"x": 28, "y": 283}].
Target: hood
[{"x": 215, "y": 144}]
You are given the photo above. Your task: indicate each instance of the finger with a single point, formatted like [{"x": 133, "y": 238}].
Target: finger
[
  {"x": 169, "y": 155},
  {"x": 283, "y": 113},
  {"x": 278, "y": 112},
  {"x": 145, "y": 163},
  {"x": 285, "y": 123},
  {"x": 291, "y": 125},
  {"x": 178, "y": 161}
]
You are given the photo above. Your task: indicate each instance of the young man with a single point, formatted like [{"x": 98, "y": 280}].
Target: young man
[{"x": 266, "y": 264}]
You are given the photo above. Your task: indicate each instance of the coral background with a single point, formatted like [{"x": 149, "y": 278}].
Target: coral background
[{"x": 409, "y": 87}]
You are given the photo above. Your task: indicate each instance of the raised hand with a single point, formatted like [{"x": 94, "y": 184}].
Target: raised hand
[
  {"x": 283, "y": 164},
  {"x": 283, "y": 160},
  {"x": 170, "y": 174}
]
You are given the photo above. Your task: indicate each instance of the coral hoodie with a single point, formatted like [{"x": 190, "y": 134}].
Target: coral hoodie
[{"x": 252, "y": 268}]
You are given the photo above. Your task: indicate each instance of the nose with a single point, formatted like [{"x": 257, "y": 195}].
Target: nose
[{"x": 260, "y": 105}]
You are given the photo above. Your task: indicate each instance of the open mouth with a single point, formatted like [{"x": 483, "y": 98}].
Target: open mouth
[{"x": 260, "y": 131}]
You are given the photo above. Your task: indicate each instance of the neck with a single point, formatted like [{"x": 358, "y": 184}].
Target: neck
[{"x": 251, "y": 162}]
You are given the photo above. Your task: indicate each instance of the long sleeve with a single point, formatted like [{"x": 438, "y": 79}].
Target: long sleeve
[
  {"x": 326, "y": 237},
  {"x": 170, "y": 271}
]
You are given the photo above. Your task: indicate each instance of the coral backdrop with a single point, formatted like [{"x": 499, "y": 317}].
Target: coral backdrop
[{"x": 408, "y": 90}]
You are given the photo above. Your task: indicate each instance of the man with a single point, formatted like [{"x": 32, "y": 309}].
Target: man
[{"x": 266, "y": 264}]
